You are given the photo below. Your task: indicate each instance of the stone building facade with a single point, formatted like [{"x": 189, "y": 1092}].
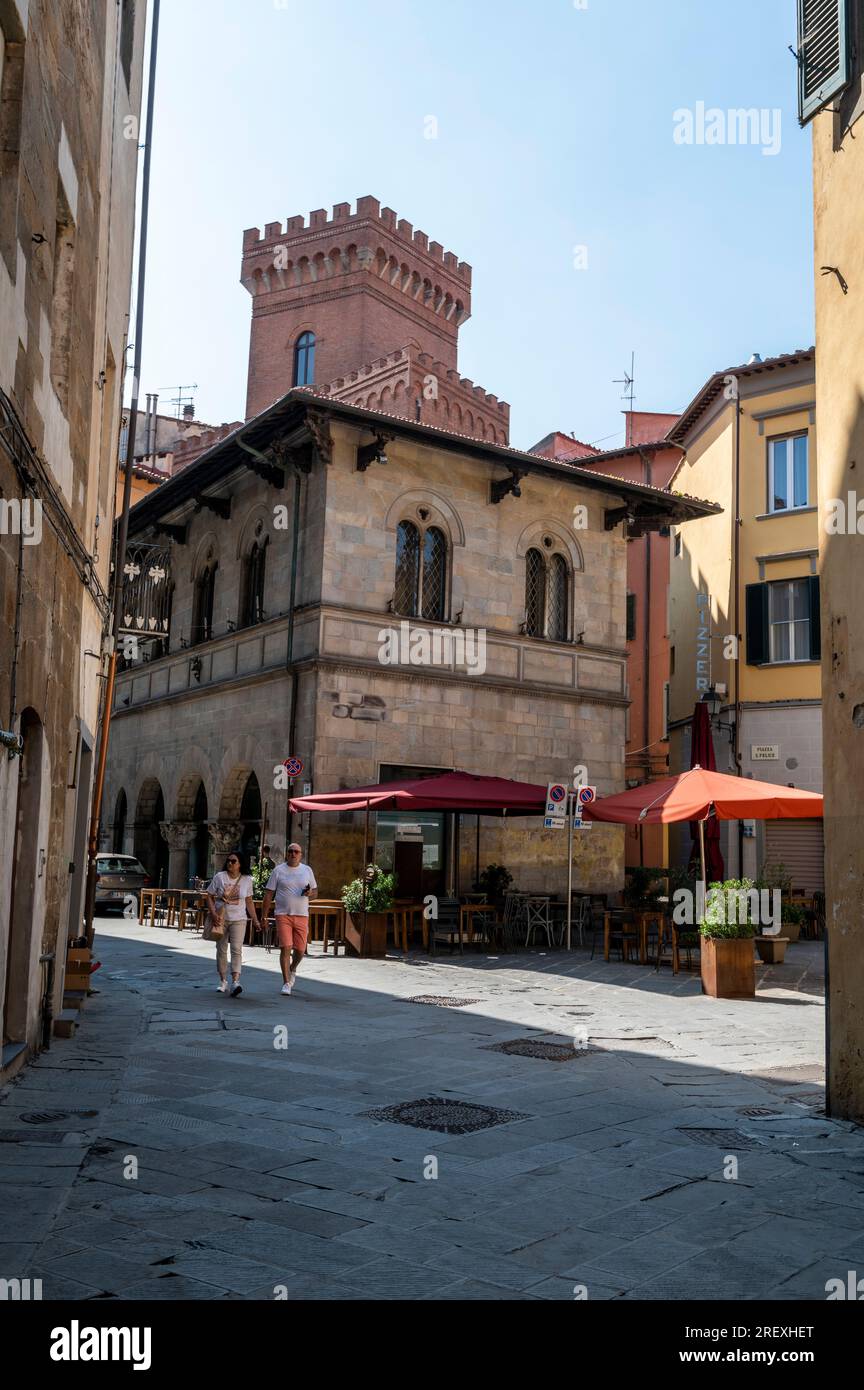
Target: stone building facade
[
  {"x": 70, "y": 93},
  {"x": 502, "y": 553}
]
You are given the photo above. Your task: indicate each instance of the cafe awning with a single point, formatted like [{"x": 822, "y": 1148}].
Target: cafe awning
[{"x": 464, "y": 792}]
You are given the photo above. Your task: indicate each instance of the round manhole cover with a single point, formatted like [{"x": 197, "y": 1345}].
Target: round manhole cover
[{"x": 446, "y": 1116}]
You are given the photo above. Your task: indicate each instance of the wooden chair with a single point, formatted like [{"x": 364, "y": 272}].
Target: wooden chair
[{"x": 334, "y": 931}]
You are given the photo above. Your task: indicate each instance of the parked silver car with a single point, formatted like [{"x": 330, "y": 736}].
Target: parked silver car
[{"x": 119, "y": 880}]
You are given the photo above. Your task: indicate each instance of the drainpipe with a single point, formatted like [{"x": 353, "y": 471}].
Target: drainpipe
[
  {"x": 13, "y": 743},
  {"x": 49, "y": 959}
]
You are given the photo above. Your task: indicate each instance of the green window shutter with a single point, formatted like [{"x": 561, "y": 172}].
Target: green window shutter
[
  {"x": 815, "y": 619},
  {"x": 824, "y": 46},
  {"x": 631, "y": 617},
  {"x": 758, "y": 651}
]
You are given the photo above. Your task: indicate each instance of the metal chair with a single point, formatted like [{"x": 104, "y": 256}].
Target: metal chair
[
  {"x": 537, "y": 916},
  {"x": 445, "y": 927}
]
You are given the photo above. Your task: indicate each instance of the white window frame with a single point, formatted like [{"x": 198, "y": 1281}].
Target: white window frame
[
  {"x": 789, "y": 440},
  {"x": 791, "y": 623}
]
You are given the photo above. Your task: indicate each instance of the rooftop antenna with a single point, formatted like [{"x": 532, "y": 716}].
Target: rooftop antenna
[
  {"x": 180, "y": 399},
  {"x": 628, "y": 381}
]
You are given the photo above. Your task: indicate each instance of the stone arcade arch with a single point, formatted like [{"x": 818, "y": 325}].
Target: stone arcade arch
[{"x": 150, "y": 845}]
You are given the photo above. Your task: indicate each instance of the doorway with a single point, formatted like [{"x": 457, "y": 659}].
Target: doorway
[{"x": 27, "y": 885}]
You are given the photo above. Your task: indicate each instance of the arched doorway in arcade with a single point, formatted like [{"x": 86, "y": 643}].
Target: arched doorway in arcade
[
  {"x": 251, "y": 817},
  {"x": 150, "y": 845},
  {"x": 118, "y": 843}
]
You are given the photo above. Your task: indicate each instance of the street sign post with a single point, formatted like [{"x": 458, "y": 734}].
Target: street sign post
[{"x": 556, "y": 800}]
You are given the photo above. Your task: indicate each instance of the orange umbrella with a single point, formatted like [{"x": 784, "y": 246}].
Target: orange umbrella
[{"x": 698, "y": 794}]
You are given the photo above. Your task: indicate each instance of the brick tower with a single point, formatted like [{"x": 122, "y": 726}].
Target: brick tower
[{"x": 382, "y": 305}]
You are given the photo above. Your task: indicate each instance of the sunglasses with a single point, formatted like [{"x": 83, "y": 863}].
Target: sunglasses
[{"x": 232, "y": 861}]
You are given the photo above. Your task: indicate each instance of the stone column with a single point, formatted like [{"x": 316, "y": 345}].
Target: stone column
[
  {"x": 226, "y": 836},
  {"x": 178, "y": 835}
]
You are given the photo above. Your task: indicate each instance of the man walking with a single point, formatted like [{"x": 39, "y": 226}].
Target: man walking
[{"x": 293, "y": 885}]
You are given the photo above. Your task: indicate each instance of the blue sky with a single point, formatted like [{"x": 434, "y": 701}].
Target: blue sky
[{"x": 555, "y": 128}]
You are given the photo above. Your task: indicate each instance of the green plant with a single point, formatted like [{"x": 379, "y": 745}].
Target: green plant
[
  {"x": 723, "y": 908},
  {"x": 380, "y": 890},
  {"x": 260, "y": 877},
  {"x": 643, "y": 888},
  {"x": 793, "y": 912},
  {"x": 775, "y": 875},
  {"x": 494, "y": 881}
]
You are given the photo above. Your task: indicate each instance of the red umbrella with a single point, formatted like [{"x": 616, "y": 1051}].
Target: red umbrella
[
  {"x": 448, "y": 791},
  {"x": 698, "y": 794},
  {"x": 702, "y": 755}
]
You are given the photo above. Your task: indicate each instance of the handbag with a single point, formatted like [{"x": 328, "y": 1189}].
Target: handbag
[{"x": 214, "y": 926}]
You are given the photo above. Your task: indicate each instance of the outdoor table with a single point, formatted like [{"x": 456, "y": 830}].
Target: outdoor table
[
  {"x": 326, "y": 919},
  {"x": 188, "y": 900},
  {"x": 152, "y": 895}
]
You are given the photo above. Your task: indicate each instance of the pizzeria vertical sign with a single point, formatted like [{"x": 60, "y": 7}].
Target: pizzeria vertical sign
[{"x": 703, "y": 642}]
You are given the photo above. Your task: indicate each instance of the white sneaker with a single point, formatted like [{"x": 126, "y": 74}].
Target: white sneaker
[
  {"x": 286, "y": 989},
  {"x": 222, "y": 987}
]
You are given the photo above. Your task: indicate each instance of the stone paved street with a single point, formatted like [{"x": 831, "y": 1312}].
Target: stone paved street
[{"x": 260, "y": 1173}]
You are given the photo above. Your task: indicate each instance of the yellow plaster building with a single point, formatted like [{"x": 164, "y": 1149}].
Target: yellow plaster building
[{"x": 744, "y": 599}]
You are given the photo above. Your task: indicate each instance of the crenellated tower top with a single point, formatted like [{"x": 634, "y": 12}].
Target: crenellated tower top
[{"x": 360, "y": 282}]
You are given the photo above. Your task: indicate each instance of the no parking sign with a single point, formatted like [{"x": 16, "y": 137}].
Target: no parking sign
[{"x": 293, "y": 766}]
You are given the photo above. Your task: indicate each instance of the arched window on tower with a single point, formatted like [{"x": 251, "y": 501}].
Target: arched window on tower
[{"x": 304, "y": 360}]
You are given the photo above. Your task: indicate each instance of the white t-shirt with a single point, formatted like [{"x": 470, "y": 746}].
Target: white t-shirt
[
  {"x": 288, "y": 885},
  {"x": 222, "y": 883}
]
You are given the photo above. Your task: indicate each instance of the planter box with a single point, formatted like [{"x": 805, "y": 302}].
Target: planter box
[
  {"x": 728, "y": 967},
  {"x": 372, "y": 941},
  {"x": 791, "y": 930},
  {"x": 772, "y": 949}
]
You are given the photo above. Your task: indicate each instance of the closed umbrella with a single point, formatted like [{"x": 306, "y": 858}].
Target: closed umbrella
[{"x": 702, "y": 755}]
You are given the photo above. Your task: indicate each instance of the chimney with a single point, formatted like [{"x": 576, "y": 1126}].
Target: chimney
[
  {"x": 189, "y": 412},
  {"x": 152, "y": 442}
]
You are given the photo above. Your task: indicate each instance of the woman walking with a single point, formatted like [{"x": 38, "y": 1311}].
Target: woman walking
[{"x": 231, "y": 890}]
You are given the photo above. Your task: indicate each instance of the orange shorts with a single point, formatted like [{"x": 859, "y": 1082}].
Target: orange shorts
[{"x": 292, "y": 931}]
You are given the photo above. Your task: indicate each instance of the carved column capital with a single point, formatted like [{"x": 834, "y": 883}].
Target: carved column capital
[
  {"x": 226, "y": 835},
  {"x": 178, "y": 834}
]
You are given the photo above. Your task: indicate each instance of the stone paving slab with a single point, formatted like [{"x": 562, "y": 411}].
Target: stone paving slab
[{"x": 260, "y": 1175}]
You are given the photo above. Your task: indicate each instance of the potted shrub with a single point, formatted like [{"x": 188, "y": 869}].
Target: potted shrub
[
  {"x": 727, "y": 962},
  {"x": 494, "y": 882},
  {"x": 369, "y": 937},
  {"x": 792, "y": 915},
  {"x": 643, "y": 888}
]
